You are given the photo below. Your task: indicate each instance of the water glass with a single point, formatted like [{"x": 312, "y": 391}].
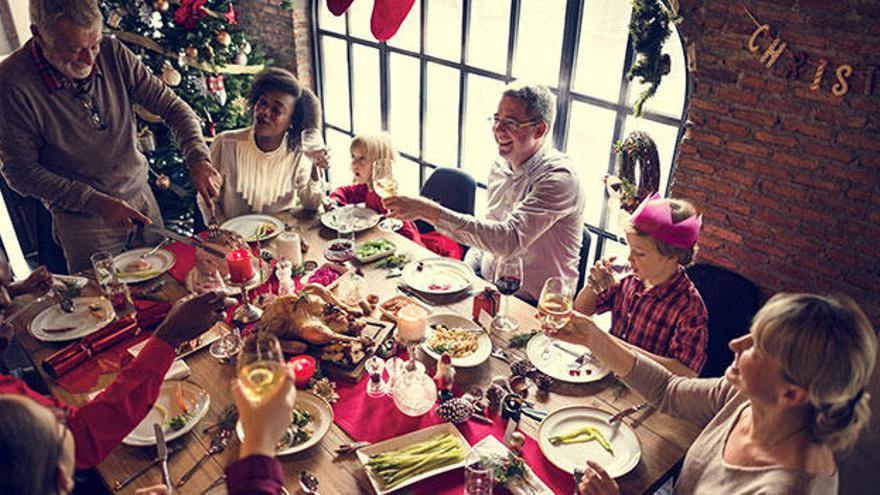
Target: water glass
[
  {"x": 478, "y": 473},
  {"x": 105, "y": 273},
  {"x": 618, "y": 271}
]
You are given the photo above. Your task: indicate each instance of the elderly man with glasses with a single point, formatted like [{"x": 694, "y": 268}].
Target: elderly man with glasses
[
  {"x": 535, "y": 205},
  {"x": 68, "y": 135}
]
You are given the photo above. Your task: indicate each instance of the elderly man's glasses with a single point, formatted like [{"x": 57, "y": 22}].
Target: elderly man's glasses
[{"x": 510, "y": 124}]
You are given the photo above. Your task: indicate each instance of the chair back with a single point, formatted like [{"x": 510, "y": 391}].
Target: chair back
[
  {"x": 583, "y": 261},
  {"x": 732, "y": 301},
  {"x": 452, "y": 188}
]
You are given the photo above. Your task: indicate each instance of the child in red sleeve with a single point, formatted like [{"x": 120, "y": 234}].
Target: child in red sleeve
[{"x": 656, "y": 308}]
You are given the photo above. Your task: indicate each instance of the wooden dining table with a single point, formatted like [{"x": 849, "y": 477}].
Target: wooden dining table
[{"x": 663, "y": 439}]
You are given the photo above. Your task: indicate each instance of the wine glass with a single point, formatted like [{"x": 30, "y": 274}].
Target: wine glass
[
  {"x": 311, "y": 143},
  {"x": 554, "y": 308},
  {"x": 619, "y": 271},
  {"x": 508, "y": 279},
  {"x": 260, "y": 366},
  {"x": 385, "y": 186}
]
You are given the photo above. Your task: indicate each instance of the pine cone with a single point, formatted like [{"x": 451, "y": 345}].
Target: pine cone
[
  {"x": 542, "y": 380},
  {"x": 521, "y": 367},
  {"x": 455, "y": 410},
  {"x": 495, "y": 393}
]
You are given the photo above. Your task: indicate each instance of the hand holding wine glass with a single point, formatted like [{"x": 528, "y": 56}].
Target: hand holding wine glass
[
  {"x": 385, "y": 186},
  {"x": 508, "y": 280},
  {"x": 260, "y": 366},
  {"x": 264, "y": 423},
  {"x": 312, "y": 145},
  {"x": 554, "y": 307}
]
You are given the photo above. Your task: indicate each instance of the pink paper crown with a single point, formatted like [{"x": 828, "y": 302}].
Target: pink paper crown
[{"x": 654, "y": 217}]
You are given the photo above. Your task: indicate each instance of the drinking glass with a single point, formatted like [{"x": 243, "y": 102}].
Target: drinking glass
[
  {"x": 479, "y": 470},
  {"x": 260, "y": 366},
  {"x": 508, "y": 280},
  {"x": 554, "y": 307},
  {"x": 618, "y": 270},
  {"x": 385, "y": 186},
  {"x": 105, "y": 273},
  {"x": 311, "y": 143}
]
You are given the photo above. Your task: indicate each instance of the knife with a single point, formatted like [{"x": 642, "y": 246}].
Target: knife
[
  {"x": 162, "y": 454},
  {"x": 579, "y": 358},
  {"x": 119, "y": 485},
  {"x": 188, "y": 240}
]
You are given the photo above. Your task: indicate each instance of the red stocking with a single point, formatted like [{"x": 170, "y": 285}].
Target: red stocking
[
  {"x": 387, "y": 17},
  {"x": 338, "y": 7}
]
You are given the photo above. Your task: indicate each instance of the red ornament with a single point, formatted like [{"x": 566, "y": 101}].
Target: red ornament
[
  {"x": 189, "y": 13},
  {"x": 230, "y": 16},
  {"x": 304, "y": 369}
]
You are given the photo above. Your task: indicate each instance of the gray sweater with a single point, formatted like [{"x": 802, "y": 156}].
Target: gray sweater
[
  {"x": 715, "y": 405},
  {"x": 49, "y": 148}
]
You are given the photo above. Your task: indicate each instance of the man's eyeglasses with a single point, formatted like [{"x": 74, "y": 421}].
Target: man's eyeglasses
[
  {"x": 91, "y": 106},
  {"x": 510, "y": 124}
]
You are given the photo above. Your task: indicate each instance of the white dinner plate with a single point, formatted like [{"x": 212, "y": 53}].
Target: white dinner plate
[
  {"x": 402, "y": 441},
  {"x": 159, "y": 262},
  {"x": 322, "y": 418},
  {"x": 247, "y": 226},
  {"x": 197, "y": 400},
  {"x": 438, "y": 275},
  {"x": 364, "y": 218},
  {"x": 484, "y": 343},
  {"x": 555, "y": 361},
  {"x": 82, "y": 321},
  {"x": 626, "y": 450}
]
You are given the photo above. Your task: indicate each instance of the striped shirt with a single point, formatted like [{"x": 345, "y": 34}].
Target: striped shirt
[{"x": 669, "y": 320}]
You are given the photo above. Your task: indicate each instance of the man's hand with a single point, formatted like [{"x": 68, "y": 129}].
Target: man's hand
[
  {"x": 410, "y": 208},
  {"x": 38, "y": 282},
  {"x": 118, "y": 214},
  {"x": 207, "y": 180},
  {"x": 596, "y": 481},
  {"x": 192, "y": 316},
  {"x": 264, "y": 422}
]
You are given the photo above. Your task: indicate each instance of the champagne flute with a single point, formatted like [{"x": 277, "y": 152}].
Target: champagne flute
[
  {"x": 385, "y": 186},
  {"x": 508, "y": 279},
  {"x": 260, "y": 366},
  {"x": 554, "y": 308}
]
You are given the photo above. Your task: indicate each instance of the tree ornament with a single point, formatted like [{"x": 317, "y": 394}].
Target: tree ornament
[
  {"x": 190, "y": 13},
  {"x": 216, "y": 88},
  {"x": 161, "y": 5},
  {"x": 240, "y": 59},
  {"x": 223, "y": 38},
  {"x": 191, "y": 52},
  {"x": 240, "y": 105},
  {"x": 170, "y": 75},
  {"x": 230, "y": 15},
  {"x": 246, "y": 47},
  {"x": 444, "y": 378},
  {"x": 208, "y": 52},
  {"x": 163, "y": 182},
  {"x": 114, "y": 19},
  {"x": 146, "y": 140}
]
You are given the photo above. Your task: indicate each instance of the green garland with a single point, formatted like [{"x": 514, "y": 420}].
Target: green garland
[{"x": 649, "y": 29}]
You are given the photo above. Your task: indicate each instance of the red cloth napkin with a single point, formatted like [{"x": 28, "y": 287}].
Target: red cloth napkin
[{"x": 377, "y": 419}]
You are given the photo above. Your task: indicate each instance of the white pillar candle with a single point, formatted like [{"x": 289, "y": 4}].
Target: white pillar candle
[
  {"x": 290, "y": 248},
  {"x": 411, "y": 323}
]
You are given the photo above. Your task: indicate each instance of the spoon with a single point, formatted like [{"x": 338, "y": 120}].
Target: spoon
[{"x": 308, "y": 482}]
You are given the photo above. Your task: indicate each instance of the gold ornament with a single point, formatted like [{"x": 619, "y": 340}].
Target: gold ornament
[
  {"x": 223, "y": 38},
  {"x": 191, "y": 52},
  {"x": 161, "y": 5},
  {"x": 246, "y": 47},
  {"x": 240, "y": 104},
  {"x": 163, "y": 182},
  {"x": 171, "y": 76}
]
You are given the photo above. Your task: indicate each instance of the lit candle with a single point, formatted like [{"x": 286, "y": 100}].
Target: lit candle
[
  {"x": 303, "y": 368},
  {"x": 238, "y": 261},
  {"x": 411, "y": 323},
  {"x": 290, "y": 247}
]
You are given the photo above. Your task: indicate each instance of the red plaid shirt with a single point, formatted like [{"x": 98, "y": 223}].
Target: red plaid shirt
[
  {"x": 668, "y": 320},
  {"x": 52, "y": 77}
]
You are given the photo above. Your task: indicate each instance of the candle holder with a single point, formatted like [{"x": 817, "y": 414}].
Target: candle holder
[
  {"x": 247, "y": 313},
  {"x": 412, "y": 346}
]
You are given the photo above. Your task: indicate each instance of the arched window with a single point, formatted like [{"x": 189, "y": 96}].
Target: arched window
[{"x": 436, "y": 82}]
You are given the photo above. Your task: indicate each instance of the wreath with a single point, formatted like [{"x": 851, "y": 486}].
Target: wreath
[
  {"x": 637, "y": 148},
  {"x": 649, "y": 29}
]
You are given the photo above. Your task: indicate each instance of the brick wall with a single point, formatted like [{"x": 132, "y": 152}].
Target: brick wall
[
  {"x": 789, "y": 178},
  {"x": 271, "y": 27}
]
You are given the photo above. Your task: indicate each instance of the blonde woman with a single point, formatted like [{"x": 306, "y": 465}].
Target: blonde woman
[{"x": 794, "y": 395}]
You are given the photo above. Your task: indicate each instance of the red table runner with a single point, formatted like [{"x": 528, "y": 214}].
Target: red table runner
[{"x": 378, "y": 419}]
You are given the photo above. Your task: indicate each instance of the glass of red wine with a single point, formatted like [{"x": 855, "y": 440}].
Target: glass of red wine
[{"x": 508, "y": 280}]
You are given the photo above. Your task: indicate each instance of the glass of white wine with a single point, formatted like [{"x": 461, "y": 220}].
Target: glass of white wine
[
  {"x": 385, "y": 186},
  {"x": 554, "y": 307},
  {"x": 312, "y": 143},
  {"x": 260, "y": 366}
]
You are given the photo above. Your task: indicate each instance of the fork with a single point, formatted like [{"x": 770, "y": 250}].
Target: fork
[
  {"x": 578, "y": 475},
  {"x": 151, "y": 252},
  {"x": 218, "y": 444},
  {"x": 501, "y": 354}
]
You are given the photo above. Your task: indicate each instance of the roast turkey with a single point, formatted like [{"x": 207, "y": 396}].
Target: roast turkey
[{"x": 314, "y": 315}]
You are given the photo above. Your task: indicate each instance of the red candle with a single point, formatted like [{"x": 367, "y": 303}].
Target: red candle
[
  {"x": 238, "y": 261},
  {"x": 303, "y": 368}
]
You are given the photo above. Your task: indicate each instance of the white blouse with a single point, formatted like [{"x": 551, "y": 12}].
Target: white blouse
[{"x": 255, "y": 181}]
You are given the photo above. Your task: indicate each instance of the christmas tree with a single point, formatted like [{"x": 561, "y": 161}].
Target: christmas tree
[{"x": 197, "y": 48}]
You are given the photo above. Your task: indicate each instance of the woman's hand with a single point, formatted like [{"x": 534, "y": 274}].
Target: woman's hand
[
  {"x": 596, "y": 481},
  {"x": 578, "y": 330},
  {"x": 264, "y": 423},
  {"x": 320, "y": 162}
]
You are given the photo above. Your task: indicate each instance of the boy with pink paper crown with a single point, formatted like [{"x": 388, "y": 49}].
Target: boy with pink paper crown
[{"x": 656, "y": 308}]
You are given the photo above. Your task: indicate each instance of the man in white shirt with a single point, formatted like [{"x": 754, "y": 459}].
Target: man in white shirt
[{"x": 535, "y": 205}]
